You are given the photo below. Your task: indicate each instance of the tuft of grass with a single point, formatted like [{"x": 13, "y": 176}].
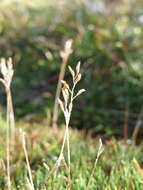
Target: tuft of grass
[
  {"x": 116, "y": 169},
  {"x": 121, "y": 171}
]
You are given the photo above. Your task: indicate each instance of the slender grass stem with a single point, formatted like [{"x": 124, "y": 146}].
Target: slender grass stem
[
  {"x": 27, "y": 161},
  {"x": 7, "y": 142},
  {"x": 12, "y": 121},
  {"x": 66, "y": 107},
  {"x": 100, "y": 150}
]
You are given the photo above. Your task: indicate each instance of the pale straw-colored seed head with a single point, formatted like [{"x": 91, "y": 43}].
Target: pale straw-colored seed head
[
  {"x": 100, "y": 146},
  {"x": 72, "y": 72},
  {"x": 65, "y": 84},
  {"x": 80, "y": 92},
  {"x": 61, "y": 104},
  {"x": 78, "y": 78},
  {"x": 62, "y": 54},
  {"x": 78, "y": 68},
  {"x": 65, "y": 93},
  {"x": 67, "y": 50},
  {"x": 9, "y": 63},
  {"x": 7, "y": 71},
  {"x": 3, "y": 67},
  {"x": 10, "y": 66},
  {"x": 68, "y": 44}
]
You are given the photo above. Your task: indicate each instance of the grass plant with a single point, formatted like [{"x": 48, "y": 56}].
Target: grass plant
[{"x": 7, "y": 73}]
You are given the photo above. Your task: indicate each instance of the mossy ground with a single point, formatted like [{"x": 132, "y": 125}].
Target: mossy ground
[{"x": 115, "y": 169}]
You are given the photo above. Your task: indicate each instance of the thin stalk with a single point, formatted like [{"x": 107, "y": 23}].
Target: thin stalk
[
  {"x": 7, "y": 141},
  {"x": 100, "y": 150},
  {"x": 68, "y": 149},
  {"x": 61, "y": 76},
  {"x": 66, "y": 107},
  {"x": 12, "y": 122},
  {"x": 58, "y": 163},
  {"x": 27, "y": 161},
  {"x": 137, "y": 127},
  {"x": 6, "y": 69},
  {"x": 64, "y": 55},
  {"x": 68, "y": 142}
]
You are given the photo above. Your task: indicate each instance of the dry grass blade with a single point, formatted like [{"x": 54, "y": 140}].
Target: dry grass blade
[
  {"x": 6, "y": 68},
  {"x": 27, "y": 161},
  {"x": 137, "y": 127},
  {"x": 138, "y": 167},
  {"x": 7, "y": 72},
  {"x": 100, "y": 150},
  {"x": 3, "y": 169},
  {"x": 64, "y": 55}
]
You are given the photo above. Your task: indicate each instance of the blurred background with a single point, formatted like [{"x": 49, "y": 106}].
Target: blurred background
[{"x": 107, "y": 39}]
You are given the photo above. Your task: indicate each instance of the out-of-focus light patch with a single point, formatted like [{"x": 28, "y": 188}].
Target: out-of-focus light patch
[
  {"x": 137, "y": 30},
  {"x": 137, "y": 67},
  {"x": 41, "y": 63},
  {"x": 31, "y": 3},
  {"x": 96, "y": 6},
  {"x": 121, "y": 24},
  {"x": 118, "y": 44},
  {"x": 91, "y": 27},
  {"x": 141, "y": 19},
  {"x": 49, "y": 55},
  {"x": 128, "y": 141},
  {"x": 106, "y": 33}
]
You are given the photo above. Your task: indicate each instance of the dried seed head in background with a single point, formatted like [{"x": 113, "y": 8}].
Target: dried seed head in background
[
  {"x": 6, "y": 68},
  {"x": 78, "y": 68},
  {"x": 67, "y": 50}
]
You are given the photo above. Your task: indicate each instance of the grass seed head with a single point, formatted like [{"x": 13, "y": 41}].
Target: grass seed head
[
  {"x": 68, "y": 44},
  {"x": 78, "y": 78},
  {"x": 67, "y": 50},
  {"x": 72, "y": 72},
  {"x": 80, "y": 92},
  {"x": 65, "y": 84},
  {"x": 65, "y": 93},
  {"x": 61, "y": 104},
  {"x": 78, "y": 68},
  {"x": 7, "y": 71}
]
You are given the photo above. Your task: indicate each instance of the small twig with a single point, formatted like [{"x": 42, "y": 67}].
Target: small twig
[
  {"x": 137, "y": 126},
  {"x": 126, "y": 118},
  {"x": 100, "y": 150},
  {"x": 26, "y": 156},
  {"x": 64, "y": 55}
]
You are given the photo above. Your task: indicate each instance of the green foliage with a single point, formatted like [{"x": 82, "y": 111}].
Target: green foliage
[
  {"x": 108, "y": 43},
  {"x": 115, "y": 169}
]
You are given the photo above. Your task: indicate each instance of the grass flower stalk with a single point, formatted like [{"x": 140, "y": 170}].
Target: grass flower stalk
[
  {"x": 6, "y": 68},
  {"x": 66, "y": 105},
  {"x": 64, "y": 55},
  {"x": 27, "y": 160}
]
